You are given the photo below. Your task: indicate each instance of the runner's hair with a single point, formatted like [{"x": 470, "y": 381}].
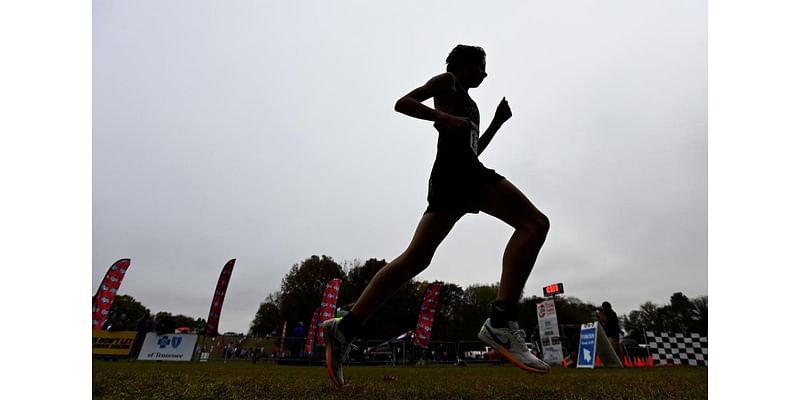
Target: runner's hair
[{"x": 463, "y": 54}]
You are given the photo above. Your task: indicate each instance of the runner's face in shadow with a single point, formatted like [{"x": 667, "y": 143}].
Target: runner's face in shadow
[{"x": 472, "y": 74}]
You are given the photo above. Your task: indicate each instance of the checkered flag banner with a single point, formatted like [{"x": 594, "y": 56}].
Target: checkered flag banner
[{"x": 678, "y": 348}]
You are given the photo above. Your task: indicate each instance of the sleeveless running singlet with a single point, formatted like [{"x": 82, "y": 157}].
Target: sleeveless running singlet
[{"x": 457, "y": 174}]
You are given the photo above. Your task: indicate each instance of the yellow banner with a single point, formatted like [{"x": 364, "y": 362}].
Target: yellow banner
[{"x": 105, "y": 343}]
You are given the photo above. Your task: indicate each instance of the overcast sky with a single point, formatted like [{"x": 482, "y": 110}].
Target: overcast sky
[{"x": 266, "y": 132}]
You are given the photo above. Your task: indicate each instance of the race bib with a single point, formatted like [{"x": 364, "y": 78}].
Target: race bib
[{"x": 473, "y": 138}]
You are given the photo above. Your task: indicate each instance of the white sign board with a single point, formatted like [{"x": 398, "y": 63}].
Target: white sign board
[
  {"x": 548, "y": 332},
  {"x": 168, "y": 347}
]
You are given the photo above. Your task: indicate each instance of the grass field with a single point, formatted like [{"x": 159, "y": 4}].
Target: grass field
[{"x": 243, "y": 380}]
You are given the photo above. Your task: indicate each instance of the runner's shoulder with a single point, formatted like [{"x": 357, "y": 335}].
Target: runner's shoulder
[{"x": 442, "y": 83}]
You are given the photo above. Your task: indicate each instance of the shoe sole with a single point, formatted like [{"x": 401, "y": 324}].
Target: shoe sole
[
  {"x": 503, "y": 352},
  {"x": 328, "y": 358}
]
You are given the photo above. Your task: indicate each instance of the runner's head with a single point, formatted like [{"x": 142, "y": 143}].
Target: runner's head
[{"x": 468, "y": 63}]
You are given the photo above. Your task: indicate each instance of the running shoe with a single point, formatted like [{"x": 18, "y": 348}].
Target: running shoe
[
  {"x": 337, "y": 348},
  {"x": 510, "y": 343}
]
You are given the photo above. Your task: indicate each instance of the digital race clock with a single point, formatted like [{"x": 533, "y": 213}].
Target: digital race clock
[{"x": 554, "y": 289}]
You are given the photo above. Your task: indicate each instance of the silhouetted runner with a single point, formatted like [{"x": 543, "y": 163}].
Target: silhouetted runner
[{"x": 459, "y": 184}]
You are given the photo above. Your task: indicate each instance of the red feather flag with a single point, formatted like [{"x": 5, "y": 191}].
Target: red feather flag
[
  {"x": 312, "y": 330},
  {"x": 212, "y": 326},
  {"x": 101, "y": 304},
  {"x": 283, "y": 336},
  {"x": 427, "y": 311},
  {"x": 327, "y": 309}
]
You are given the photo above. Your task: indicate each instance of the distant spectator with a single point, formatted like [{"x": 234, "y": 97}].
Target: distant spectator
[
  {"x": 143, "y": 326},
  {"x": 256, "y": 354},
  {"x": 610, "y": 323},
  {"x": 298, "y": 338}
]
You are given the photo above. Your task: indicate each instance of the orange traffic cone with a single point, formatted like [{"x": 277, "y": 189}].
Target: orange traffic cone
[
  {"x": 626, "y": 362},
  {"x": 597, "y": 362},
  {"x": 650, "y": 362}
]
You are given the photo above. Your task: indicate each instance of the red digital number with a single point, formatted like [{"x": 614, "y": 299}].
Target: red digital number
[{"x": 553, "y": 289}]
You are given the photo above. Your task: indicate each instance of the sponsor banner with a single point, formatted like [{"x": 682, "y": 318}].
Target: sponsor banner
[
  {"x": 212, "y": 326},
  {"x": 101, "y": 304},
  {"x": 327, "y": 309},
  {"x": 168, "y": 347},
  {"x": 427, "y": 310},
  {"x": 548, "y": 332},
  {"x": 105, "y": 343}
]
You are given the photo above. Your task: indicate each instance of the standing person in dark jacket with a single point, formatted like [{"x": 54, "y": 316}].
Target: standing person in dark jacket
[
  {"x": 144, "y": 326},
  {"x": 610, "y": 323},
  {"x": 298, "y": 339}
]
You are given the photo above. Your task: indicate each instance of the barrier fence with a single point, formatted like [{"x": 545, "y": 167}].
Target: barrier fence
[
  {"x": 267, "y": 349},
  {"x": 190, "y": 347}
]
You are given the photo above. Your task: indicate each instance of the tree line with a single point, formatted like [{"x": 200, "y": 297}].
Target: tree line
[
  {"x": 130, "y": 314},
  {"x": 459, "y": 313}
]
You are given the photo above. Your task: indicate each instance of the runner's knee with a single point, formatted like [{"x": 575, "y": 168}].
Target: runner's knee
[
  {"x": 537, "y": 224},
  {"x": 418, "y": 258}
]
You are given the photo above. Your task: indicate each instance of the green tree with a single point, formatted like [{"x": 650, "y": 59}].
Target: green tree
[
  {"x": 699, "y": 317},
  {"x": 476, "y": 305},
  {"x": 268, "y": 316},
  {"x": 133, "y": 310},
  {"x": 481, "y": 296},
  {"x": 677, "y": 314},
  {"x": 528, "y": 316},
  {"x": 448, "y": 323},
  {"x": 165, "y": 323},
  {"x": 200, "y": 326},
  {"x": 302, "y": 288},
  {"x": 650, "y": 317},
  {"x": 397, "y": 315},
  {"x": 681, "y": 315},
  {"x": 574, "y": 311},
  {"x": 633, "y": 324},
  {"x": 358, "y": 277},
  {"x": 196, "y": 324}
]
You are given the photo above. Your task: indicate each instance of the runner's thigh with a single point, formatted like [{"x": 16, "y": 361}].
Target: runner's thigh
[{"x": 504, "y": 201}]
